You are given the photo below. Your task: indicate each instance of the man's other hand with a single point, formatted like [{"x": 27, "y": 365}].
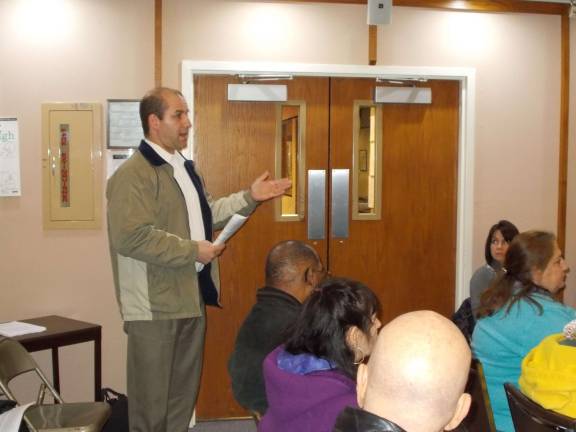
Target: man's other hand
[
  {"x": 208, "y": 251},
  {"x": 265, "y": 188}
]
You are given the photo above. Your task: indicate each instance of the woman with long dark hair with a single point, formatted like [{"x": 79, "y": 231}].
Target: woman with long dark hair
[
  {"x": 495, "y": 247},
  {"x": 517, "y": 311},
  {"x": 312, "y": 377}
]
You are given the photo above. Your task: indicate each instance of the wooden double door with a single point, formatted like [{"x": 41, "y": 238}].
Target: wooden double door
[{"x": 406, "y": 255}]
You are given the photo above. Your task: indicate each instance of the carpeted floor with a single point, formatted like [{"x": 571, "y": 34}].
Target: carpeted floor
[{"x": 225, "y": 426}]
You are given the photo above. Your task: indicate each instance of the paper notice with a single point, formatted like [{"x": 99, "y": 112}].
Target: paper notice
[
  {"x": 231, "y": 227},
  {"x": 11, "y": 419},
  {"x": 18, "y": 328},
  {"x": 9, "y": 158}
]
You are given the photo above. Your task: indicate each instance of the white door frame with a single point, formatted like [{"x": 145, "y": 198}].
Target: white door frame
[{"x": 467, "y": 78}]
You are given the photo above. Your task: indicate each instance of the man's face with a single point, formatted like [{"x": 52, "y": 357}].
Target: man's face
[{"x": 171, "y": 132}]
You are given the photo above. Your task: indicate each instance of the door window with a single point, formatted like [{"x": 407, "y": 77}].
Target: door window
[
  {"x": 367, "y": 160},
  {"x": 290, "y": 157}
]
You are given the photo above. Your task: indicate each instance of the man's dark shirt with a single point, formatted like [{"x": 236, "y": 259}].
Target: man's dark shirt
[
  {"x": 262, "y": 331},
  {"x": 358, "y": 420}
]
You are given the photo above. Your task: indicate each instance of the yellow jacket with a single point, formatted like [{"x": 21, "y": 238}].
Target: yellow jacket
[{"x": 549, "y": 375}]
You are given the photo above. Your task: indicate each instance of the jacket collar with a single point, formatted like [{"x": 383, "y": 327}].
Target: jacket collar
[
  {"x": 152, "y": 157},
  {"x": 268, "y": 292},
  {"x": 358, "y": 420}
]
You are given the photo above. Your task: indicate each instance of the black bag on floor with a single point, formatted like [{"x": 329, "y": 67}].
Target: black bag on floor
[{"x": 118, "y": 421}]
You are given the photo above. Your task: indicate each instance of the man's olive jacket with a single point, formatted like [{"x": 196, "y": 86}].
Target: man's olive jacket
[{"x": 153, "y": 258}]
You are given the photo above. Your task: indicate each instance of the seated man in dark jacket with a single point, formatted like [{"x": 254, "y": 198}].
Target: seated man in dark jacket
[
  {"x": 293, "y": 269},
  {"x": 414, "y": 380}
]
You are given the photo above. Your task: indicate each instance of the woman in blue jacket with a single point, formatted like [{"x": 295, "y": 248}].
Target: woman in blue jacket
[{"x": 517, "y": 312}]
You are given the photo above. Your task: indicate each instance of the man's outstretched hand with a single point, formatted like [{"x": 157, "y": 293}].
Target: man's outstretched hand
[{"x": 265, "y": 188}]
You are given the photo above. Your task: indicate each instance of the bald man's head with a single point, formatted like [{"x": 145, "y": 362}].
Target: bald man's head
[{"x": 417, "y": 373}]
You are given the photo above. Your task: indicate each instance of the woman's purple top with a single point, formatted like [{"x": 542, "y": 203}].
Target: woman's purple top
[{"x": 305, "y": 396}]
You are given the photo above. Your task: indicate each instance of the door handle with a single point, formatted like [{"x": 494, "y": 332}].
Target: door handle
[
  {"x": 316, "y": 204},
  {"x": 340, "y": 203}
]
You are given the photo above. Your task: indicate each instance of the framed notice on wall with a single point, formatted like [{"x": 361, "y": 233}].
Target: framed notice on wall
[
  {"x": 124, "y": 127},
  {"x": 9, "y": 158}
]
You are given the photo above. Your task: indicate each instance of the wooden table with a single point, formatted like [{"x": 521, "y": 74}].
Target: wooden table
[{"x": 60, "y": 332}]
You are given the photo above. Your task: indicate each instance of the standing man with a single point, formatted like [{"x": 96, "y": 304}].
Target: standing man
[
  {"x": 160, "y": 224},
  {"x": 293, "y": 269}
]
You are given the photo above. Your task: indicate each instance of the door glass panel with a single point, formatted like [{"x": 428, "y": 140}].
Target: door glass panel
[
  {"x": 290, "y": 158},
  {"x": 367, "y": 160}
]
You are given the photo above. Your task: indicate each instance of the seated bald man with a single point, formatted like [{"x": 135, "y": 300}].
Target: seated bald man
[{"x": 414, "y": 380}]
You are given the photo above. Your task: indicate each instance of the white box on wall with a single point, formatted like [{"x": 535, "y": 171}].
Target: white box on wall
[{"x": 379, "y": 12}]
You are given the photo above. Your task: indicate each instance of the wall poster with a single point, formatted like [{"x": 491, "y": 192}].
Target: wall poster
[
  {"x": 9, "y": 158},
  {"x": 124, "y": 126}
]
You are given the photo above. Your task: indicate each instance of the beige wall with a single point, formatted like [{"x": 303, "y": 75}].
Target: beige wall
[
  {"x": 262, "y": 31},
  {"x": 103, "y": 49},
  {"x": 106, "y": 52},
  {"x": 570, "y": 295}
]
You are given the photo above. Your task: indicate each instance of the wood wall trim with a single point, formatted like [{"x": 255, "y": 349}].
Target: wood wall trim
[
  {"x": 488, "y": 6},
  {"x": 372, "y": 45},
  {"x": 157, "y": 43},
  {"x": 470, "y": 5},
  {"x": 564, "y": 126}
]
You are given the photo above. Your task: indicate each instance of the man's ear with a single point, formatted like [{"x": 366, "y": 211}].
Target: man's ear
[
  {"x": 462, "y": 408},
  {"x": 361, "y": 384},
  {"x": 153, "y": 122},
  {"x": 309, "y": 275}
]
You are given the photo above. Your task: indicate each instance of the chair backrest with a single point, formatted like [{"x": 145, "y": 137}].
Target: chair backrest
[
  {"x": 256, "y": 416},
  {"x": 464, "y": 319},
  {"x": 527, "y": 415},
  {"x": 479, "y": 418},
  {"x": 81, "y": 417},
  {"x": 14, "y": 361}
]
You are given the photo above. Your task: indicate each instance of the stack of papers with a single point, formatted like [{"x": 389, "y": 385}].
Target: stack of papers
[
  {"x": 233, "y": 225},
  {"x": 18, "y": 328},
  {"x": 11, "y": 419}
]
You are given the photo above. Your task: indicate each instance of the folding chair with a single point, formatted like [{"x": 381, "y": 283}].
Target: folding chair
[
  {"x": 60, "y": 416},
  {"x": 527, "y": 415},
  {"x": 480, "y": 417}
]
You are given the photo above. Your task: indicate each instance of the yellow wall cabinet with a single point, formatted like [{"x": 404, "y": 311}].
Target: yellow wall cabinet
[{"x": 72, "y": 165}]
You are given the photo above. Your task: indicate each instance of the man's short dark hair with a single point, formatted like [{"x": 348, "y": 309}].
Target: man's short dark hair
[
  {"x": 284, "y": 257},
  {"x": 153, "y": 103}
]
